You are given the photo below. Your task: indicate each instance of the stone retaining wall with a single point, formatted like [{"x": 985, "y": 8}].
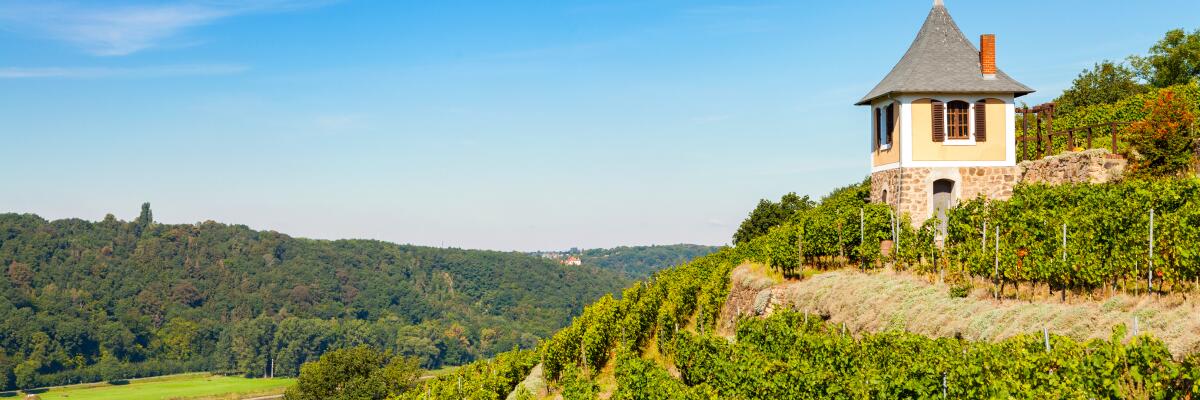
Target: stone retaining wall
[{"x": 1089, "y": 166}]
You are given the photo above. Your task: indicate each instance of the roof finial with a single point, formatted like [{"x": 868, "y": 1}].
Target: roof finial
[{"x": 939, "y": 3}]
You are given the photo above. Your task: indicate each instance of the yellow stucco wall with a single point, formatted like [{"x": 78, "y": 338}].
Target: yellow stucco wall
[
  {"x": 892, "y": 154},
  {"x": 925, "y": 149}
]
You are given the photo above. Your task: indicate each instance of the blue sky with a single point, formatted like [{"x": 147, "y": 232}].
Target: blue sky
[{"x": 490, "y": 124}]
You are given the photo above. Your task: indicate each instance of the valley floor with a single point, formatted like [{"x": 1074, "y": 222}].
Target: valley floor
[{"x": 184, "y": 386}]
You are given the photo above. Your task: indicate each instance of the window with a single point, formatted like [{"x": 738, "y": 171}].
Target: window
[
  {"x": 957, "y": 125},
  {"x": 877, "y": 141}
]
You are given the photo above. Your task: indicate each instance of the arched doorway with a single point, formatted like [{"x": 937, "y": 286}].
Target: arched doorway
[{"x": 943, "y": 199}]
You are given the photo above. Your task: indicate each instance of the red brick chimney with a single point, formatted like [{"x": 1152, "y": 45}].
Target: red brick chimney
[{"x": 987, "y": 55}]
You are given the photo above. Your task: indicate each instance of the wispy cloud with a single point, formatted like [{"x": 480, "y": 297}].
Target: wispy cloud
[
  {"x": 110, "y": 29},
  {"x": 120, "y": 72}
]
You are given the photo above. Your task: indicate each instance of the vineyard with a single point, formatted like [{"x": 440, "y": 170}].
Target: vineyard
[
  {"x": 1133, "y": 236},
  {"x": 792, "y": 355},
  {"x": 800, "y": 356}
]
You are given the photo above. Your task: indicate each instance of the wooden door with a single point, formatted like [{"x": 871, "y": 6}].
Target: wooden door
[{"x": 943, "y": 199}]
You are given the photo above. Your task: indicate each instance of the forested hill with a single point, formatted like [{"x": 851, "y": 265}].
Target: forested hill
[
  {"x": 112, "y": 299},
  {"x": 642, "y": 261}
]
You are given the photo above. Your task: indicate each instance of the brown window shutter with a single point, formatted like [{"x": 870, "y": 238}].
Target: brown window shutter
[
  {"x": 981, "y": 121},
  {"x": 939, "y": 121},
  {"x": 891, "y": 124}
]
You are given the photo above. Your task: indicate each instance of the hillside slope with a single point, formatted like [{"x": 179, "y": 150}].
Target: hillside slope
[
  {"x": 878, "y": 302},
  {"x": 100, "y": 300}
]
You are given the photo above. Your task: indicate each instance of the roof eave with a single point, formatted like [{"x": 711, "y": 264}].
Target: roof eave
[{"x": 866, "y": 101}]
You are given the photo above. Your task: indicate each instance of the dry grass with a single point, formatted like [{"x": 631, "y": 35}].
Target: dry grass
[
  {"x": 755, "y": 275},
  {"x": 897, "y": 301},
  {"x": 535, "y": 383},
  {"x": 606, "y": 378}
]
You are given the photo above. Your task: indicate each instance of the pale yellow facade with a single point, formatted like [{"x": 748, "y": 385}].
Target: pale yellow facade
[
  {"x": 890, "y": 155},
  {"x": 925, "y": 149}
]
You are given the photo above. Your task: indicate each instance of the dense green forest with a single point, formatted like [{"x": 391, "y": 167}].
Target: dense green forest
[
  {"x": 86, "y": 301},
  {"x": 642, "y": 261}
]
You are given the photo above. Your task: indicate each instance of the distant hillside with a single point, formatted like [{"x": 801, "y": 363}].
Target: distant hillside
[
  {"x": 102, "y": 300},
  {"x": 641, "y": 261},
  {"x": 635, "y": 262}
]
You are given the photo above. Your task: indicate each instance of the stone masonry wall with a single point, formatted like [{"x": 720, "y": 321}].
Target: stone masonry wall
[
  {"x": 1090, "y": 166},
  {"x": 884, "y": 181},
  {"x": 913, "y": 187}
]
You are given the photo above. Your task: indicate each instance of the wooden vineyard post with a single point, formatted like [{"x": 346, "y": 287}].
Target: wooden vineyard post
[
  {"x": 1135, "y": 274},
  {"x": 800, "y": 247},
  {"x": 1040, "y": 150},
  {"x": 1025, "y": 134},
  {"x": 1046, "y": 337},
  {"x": 1113, "y": 130},
  {"x": 892, "y": 224},
  {"x": 1050, "y": 132},
  {"x": 895, "y": 232},
  {"x": 1150, "y": 269},
  {"x": 1064, "y": 244},
  {"x": 983, "y": 238},
  {"x": 1090, "y": 137},
  {"x": 996, "y": 265}
]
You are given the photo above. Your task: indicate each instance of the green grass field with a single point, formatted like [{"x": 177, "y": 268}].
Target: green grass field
[{"x": 184, "y": 386}]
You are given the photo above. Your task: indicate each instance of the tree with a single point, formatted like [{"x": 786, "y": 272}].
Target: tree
[
  {"x": 110, "y": 368},
  {"x": 187, "y": 294},
  {"x": 5, "y": 370},
  {"x": 355, "y": 373},
  {"x": 250, "y": 344},
  {"x": 25, "y": 374},
  {"x": 20, "y": 275},
  {"x": 1165, "y": 138},
  {"x": 143, "y": 220},
  {"x": 1106, "y": 82},
  {"x": 177, "y": 336},
  {"x": 769, "y": 214},
  {"x": 1173, "y": 60}
]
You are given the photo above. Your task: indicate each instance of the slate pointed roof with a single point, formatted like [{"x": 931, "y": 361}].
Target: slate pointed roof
[{"x": 941, "y": 59}]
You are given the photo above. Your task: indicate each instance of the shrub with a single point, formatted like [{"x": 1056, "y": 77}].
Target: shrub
[{"x": 1164, "y": 139}]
